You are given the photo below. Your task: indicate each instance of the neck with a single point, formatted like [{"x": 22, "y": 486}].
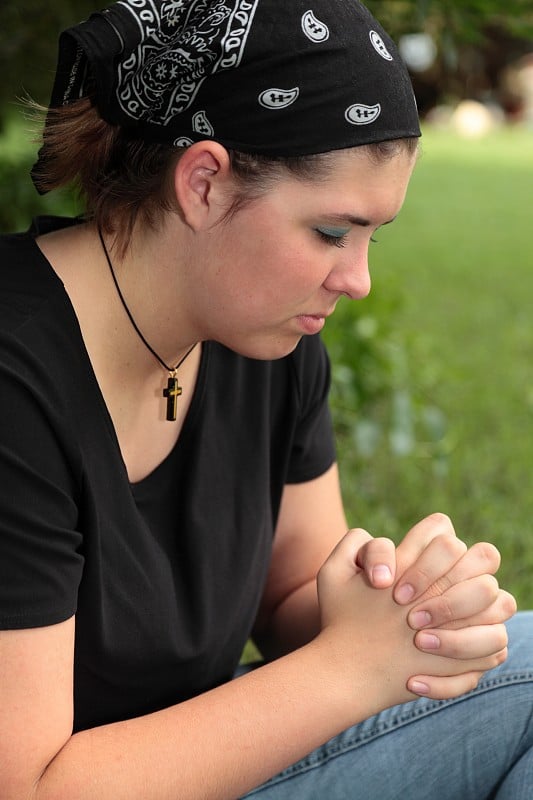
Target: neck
[
  {"x": 129, "y": 377},
  {"x": 145, "y": 289}
]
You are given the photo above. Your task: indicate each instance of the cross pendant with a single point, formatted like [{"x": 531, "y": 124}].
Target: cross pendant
[{"x": 172, "y": 392}]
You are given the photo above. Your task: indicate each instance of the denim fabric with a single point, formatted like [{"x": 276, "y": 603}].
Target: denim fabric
[{"x": 476, "y": 747}]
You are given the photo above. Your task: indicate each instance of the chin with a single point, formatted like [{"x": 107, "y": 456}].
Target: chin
[{"x": 269, "y": 350}]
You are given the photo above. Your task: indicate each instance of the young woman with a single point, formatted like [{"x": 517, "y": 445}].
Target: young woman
[{"x": 166, "y": 454}]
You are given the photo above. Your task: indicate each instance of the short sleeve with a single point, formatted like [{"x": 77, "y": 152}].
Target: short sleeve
[
  {"x": 313, "y": 449},
  {"x": 40, "y": 547}
]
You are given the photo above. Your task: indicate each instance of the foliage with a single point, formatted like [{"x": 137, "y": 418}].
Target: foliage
[
  {"x": 461, "y": 251},
  {"x": 463, "y": 20},
  {"x": 382, "y": 411},
  {"x": 28, "y": 44},
  {"x": 29, "y": 30},
  {"x": 19, "y": 201}
]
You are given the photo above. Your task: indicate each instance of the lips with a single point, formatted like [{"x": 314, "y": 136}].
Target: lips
[{"x": 311, "y": 323}]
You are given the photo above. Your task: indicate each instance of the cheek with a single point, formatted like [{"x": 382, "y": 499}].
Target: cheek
[{"x": 268, "y": 268}]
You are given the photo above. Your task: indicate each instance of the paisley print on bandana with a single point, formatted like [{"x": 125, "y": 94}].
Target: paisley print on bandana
[
  {"x": 275, "y": 77},
  {"x": 314, "y": 29},
  {"x": 379, "y": 46},
  {"x": 182, "y": 42}
]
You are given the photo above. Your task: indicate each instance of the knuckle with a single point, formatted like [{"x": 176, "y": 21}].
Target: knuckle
[
  {"x": 475, "y": 677},
  {"x": 499, "y": 657},
  {"x": 452, "y": 546},
  {"x": 508, "y": 603},
  {"x": 443, "y": 609},
  {"x": 385, "y": 541},
  {"x": 488, "y": 553},
  {"x": 421, "y": 577},
  {"x": 359, "y": 532},
  {"x": 489, "y": 588},
  {"x": 380, "y": 545},
  {"x": 442, "y": 521},
  {"x": 323, "y": 574},
  {"x": 503, "y": 638},
  {"x": 462, "y": 547},
  {"x": 440, "y": 587},
  {"x": 466, "y": 683}
]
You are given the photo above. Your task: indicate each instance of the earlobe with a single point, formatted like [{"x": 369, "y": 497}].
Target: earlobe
[{"x": 200, "y": 178}]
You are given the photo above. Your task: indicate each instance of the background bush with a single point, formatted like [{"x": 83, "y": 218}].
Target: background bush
[{"x": 447, "y": 424}]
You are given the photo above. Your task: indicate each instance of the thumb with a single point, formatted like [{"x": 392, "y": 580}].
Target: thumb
[
  {"x": 378, "y": 560},
  {"x": 343, "y": 562}
]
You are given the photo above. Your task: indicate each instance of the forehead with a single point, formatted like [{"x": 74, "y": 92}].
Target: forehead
[
  {"x": 370, "y": 160},
  {"x": 357, "y": 185}
]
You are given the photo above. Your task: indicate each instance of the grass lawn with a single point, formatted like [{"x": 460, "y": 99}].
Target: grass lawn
[{"x": 462, "y": 251}]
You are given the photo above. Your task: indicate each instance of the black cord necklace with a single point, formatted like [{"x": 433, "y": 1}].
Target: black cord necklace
[{"x": 173, "y": 390}]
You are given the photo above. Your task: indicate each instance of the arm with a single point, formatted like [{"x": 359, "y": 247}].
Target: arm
[
  {"x": 219, "y": 745},
  {"x": 194, "y": 750},
  {"x": 311, "y": 522},
  {"x": 452, "y": 587}
]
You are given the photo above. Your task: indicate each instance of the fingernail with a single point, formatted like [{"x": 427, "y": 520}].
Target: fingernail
[
  {"x": 417, "y": 687},
  {"x": 428, "y": 641},
  {"x": 381, "y": 573},
  {"x": 419, "y": 619},
  {"x": 405, "y": 593}
]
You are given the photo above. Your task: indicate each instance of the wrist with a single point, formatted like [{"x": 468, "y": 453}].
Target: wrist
[{"x": 351, "y": 680}]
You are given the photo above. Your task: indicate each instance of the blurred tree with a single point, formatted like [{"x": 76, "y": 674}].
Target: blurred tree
[
  {"x": 462, "y": 29},
  {"x": 465, "y": 20},
  {"x": 28, "y": 44},
  {"x": 475, "y": 41}
]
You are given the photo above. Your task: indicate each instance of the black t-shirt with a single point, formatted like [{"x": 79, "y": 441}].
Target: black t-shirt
[{"x": 164, "y": 576}]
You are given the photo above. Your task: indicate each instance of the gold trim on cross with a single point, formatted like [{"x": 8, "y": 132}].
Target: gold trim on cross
[{"x": 172, "y": 392}]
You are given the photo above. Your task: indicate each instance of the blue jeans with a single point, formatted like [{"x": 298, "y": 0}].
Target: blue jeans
[{"x": 476, "y": 747}]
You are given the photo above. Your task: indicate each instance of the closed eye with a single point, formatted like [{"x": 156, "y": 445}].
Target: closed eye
[{"x": 331, "y": 236}]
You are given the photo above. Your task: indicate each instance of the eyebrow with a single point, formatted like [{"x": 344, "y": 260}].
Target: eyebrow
[{"x": 360, "y": 221}]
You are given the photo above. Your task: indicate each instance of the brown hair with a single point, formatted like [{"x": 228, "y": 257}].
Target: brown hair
[{"x": 123, "y": 180}]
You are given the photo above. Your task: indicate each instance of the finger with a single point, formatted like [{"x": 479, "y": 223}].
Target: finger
[
  {"x": 342, "y": 562},
  {"x": 502, "y": 609},
  {"x": 445, "y": 682},
  {"x": 443, "y": 688},
  {"x": 378, "y": 559},
  {"x": 461, "y": 601},
  {"x": 420, "y": 535},
  {"x": 481, "y": 641},
  {"x": 442, "y": 666},
  {"x": 480, "y": 559},
  {"x": 338, "y": 570},
  {"x": 430, "y": 568}
]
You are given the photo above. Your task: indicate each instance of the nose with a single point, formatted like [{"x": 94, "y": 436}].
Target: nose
[{"x": 351, "y": 276}]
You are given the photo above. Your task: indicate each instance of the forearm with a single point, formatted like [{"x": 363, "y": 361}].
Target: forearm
[
  {"x": 218, "y": 745},
  {"x": 293, "y": 624}
]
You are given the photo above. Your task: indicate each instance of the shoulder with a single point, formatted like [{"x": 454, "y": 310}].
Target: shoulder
[
  {"x": 43, "y": 369},
  {"x": 27, "y": 281}
]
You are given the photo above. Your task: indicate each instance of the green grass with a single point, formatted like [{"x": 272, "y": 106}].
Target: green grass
[{"x": 462, "y": 252}]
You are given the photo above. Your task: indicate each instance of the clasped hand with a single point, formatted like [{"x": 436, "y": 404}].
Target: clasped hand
[{"x": 425, "y": 618}]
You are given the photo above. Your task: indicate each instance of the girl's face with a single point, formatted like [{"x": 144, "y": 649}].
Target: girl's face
[{"x": 275, "y": 270}]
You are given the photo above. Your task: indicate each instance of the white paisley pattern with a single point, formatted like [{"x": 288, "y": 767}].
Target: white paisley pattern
[{"x": 181, "y": 43}]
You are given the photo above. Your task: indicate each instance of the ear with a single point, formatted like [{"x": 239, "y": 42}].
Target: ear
[{"x": 202, "y": 179}]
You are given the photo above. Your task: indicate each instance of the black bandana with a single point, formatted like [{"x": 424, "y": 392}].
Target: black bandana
[{"x": 277, "y": 77}]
